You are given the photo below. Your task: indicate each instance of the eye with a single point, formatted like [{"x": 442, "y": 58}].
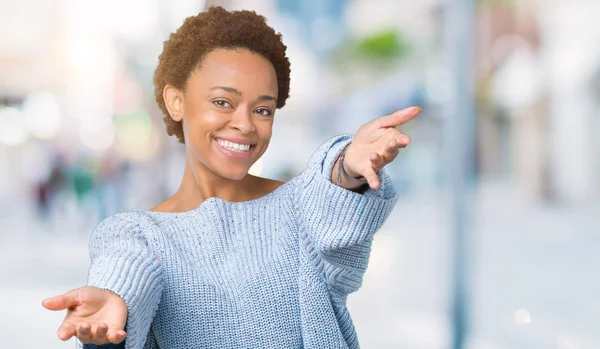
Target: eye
[
  {"x": 264, "y": 111},
  {"x": 222, "y": 103}
]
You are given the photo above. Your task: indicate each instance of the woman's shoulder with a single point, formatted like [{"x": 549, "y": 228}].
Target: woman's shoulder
[
  {"x": 124, "y": 222},
  {"x": 125, "y": 216}
]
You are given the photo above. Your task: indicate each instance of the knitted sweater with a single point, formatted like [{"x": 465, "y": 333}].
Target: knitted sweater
[{"x": 273, "y": 272}]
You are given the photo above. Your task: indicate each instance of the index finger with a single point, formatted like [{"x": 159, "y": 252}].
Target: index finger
[{"x": 398, "y": 118}]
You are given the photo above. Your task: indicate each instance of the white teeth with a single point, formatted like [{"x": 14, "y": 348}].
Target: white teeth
[{"x": 234, "y": 146}]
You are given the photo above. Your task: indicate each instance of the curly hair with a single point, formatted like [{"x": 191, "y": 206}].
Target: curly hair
[{"x": 216, "y": 28}]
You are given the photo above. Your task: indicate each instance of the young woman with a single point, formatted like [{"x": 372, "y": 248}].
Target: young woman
[{"x": 232, "y": 260}]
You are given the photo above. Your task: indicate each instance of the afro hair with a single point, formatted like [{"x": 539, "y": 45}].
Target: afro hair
[{"x": 216, "y": 28}]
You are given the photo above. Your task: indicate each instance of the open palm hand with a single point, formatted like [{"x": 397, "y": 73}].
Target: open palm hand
[{"x": 93, "y": 315}]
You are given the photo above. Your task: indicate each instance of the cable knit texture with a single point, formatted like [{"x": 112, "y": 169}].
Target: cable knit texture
[{"x": 273, "y": 272}]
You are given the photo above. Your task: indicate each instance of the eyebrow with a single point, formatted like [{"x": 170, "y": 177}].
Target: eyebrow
[{"x": 239, "y": 93}]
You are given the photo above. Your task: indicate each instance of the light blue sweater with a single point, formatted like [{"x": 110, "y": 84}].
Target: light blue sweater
[{"x": 273, "y": 272}]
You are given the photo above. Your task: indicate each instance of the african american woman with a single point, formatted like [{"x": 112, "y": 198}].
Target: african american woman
[{"x": 233, "y": 260}]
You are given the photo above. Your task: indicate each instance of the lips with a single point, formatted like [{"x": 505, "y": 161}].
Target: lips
[
  {"x": 238, "y": 155},
  {"x": 237, "y": 140}
]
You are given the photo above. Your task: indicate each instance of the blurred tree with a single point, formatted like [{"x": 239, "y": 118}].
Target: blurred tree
[
  {"x": 378, "y": 50},
  {"x": 384, "y": 45}
]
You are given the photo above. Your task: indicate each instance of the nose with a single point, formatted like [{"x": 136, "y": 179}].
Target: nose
[{"x": 242, "y": 121}]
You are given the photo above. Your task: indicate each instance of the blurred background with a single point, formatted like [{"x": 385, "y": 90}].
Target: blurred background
[{"x": 505, "y": 256}]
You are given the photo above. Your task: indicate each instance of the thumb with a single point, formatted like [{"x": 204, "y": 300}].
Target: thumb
[{"x": 67, "y": 300}]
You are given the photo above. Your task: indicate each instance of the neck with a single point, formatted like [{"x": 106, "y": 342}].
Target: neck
[{"x": 200, "y": 183}]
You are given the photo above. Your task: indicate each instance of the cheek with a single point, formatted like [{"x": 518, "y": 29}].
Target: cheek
[
  {"x": 203, "y": 122},
  {"x": 197, "y": 132},
  {"x": 210, "y": 119},
  {"x": 264, "y": 129},
  {"x": 199, "y": 114}
]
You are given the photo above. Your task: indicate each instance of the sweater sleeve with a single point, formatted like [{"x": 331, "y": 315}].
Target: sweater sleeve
[
  {"x": 339, "y": 222},
  {"x": 122, "y": 261}
]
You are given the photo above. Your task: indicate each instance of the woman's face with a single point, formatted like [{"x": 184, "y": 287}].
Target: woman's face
[{"x": 228, "y": 111}]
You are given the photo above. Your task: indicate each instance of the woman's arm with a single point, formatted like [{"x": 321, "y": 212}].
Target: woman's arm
[
  {"x": 340, "y": 215},
  {"x": 340, "y": 223},
  {"x": 123, "y": 289}
]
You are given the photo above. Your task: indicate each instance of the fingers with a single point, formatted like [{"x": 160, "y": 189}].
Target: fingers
[
  {"x": 391, "y": 149},
  {"x": 67, "y": 300},
  {"x": 84, "y": 333},
  {"x": 388, "y": 155},
  {"x": 100, "y": 335},
  {"x": 397, "y": 118},
  {"x": 116, "y": 337},
  {"x": 402, "y": 141},
  {"x": 66, "y": 331},
  {"x": 376, "y": 160},
  {"x": 371, "y": 177},
  {"x": 389, "y": 152}
]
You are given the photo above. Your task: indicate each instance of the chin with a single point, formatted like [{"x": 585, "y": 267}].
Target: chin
[{"x": 234, "y": 175}]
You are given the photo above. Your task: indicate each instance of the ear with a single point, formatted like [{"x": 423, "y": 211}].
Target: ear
[{"x": 174, "y": 99}]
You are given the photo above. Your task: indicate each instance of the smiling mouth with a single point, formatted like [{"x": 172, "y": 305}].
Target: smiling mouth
[{"x": 235, "y": 147}]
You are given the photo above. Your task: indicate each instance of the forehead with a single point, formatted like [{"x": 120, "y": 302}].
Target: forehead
[{"x": 239, "y": 68}]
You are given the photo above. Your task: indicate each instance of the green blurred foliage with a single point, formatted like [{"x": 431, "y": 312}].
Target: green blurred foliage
[
  {"x": 385, "y": 45},
  {"x": 378, "y": 49}
]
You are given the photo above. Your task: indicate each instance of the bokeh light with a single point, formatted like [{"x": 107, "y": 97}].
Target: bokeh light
[
  {"x": 13, "y": 129},
  {"x": 98, "y": 139},
  {"x": 42, "y": 114},
  {"x": 136, "y": 138},
  {"x": 523, "y": 317}
]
